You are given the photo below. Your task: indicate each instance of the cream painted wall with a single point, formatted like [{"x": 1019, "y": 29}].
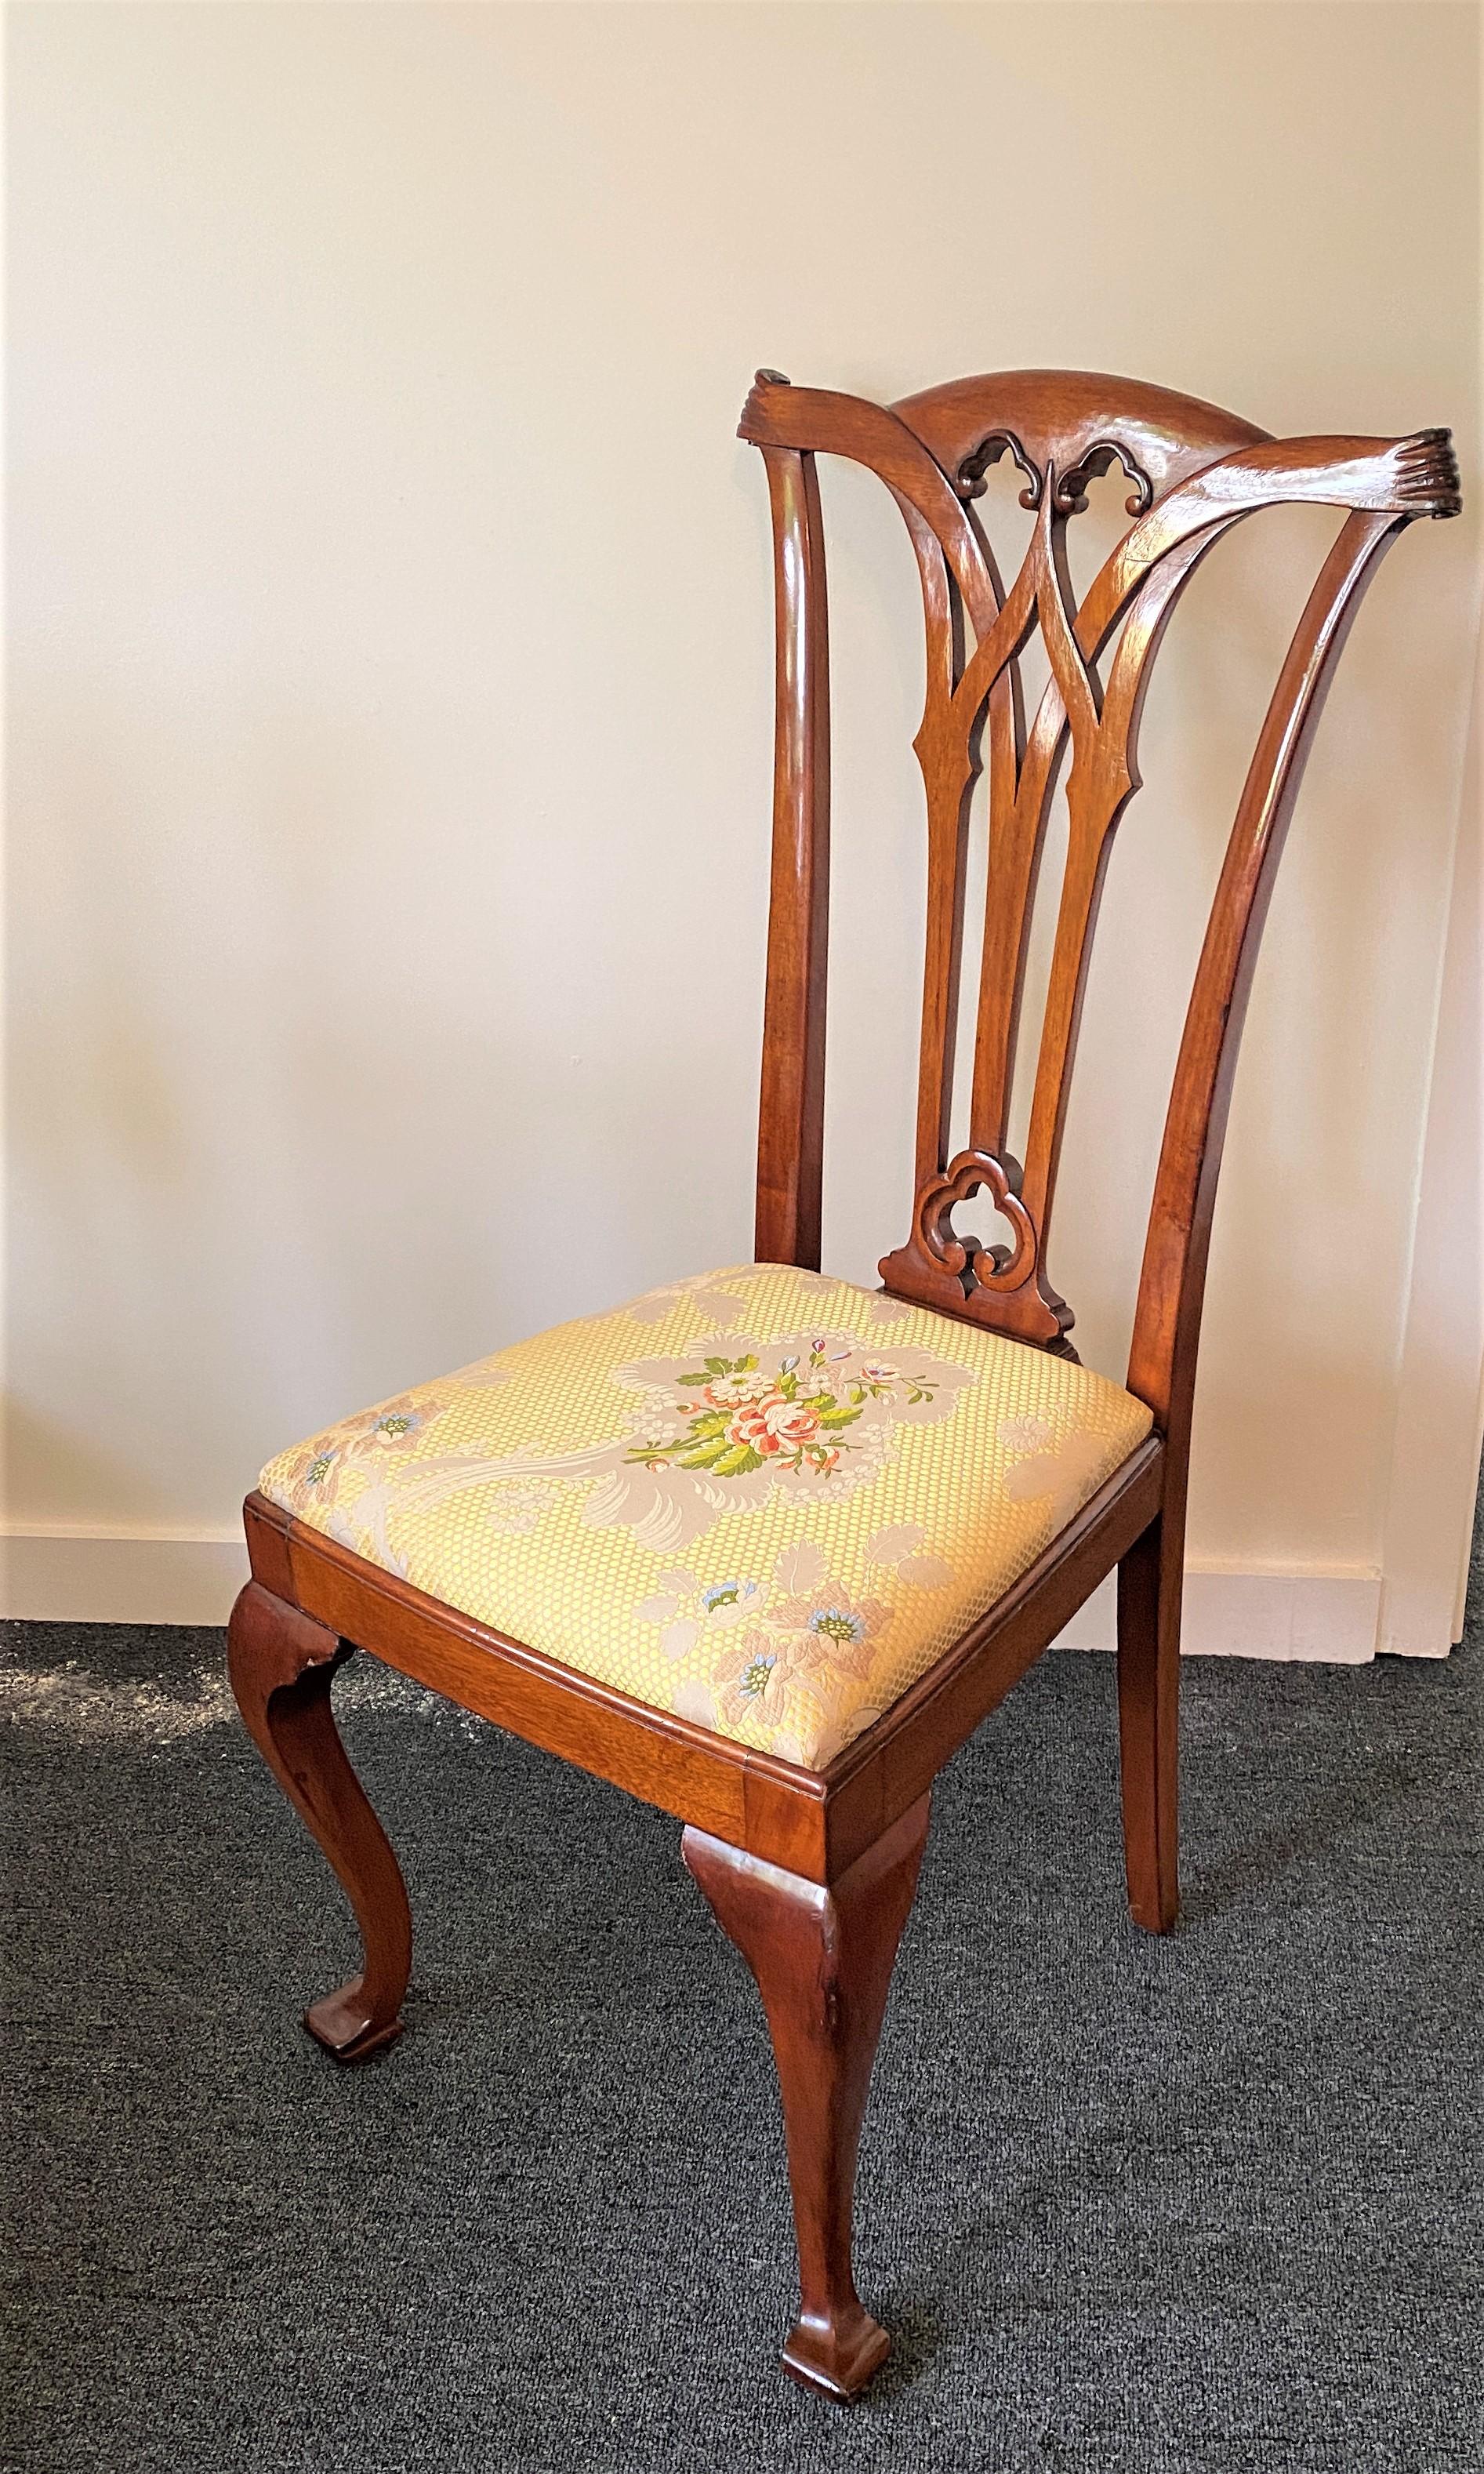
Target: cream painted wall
[{"x": 391, "y": 685}]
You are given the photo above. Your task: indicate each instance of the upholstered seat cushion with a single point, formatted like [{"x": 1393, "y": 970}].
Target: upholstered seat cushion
[{"x": 762, "y": 1498}]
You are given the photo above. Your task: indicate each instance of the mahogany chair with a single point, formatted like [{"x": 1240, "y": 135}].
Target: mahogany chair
[{"x": 801, "y": 1754}]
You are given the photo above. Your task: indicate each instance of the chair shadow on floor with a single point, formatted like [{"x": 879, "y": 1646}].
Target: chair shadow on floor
[{"x": 1277, "y": 1842}]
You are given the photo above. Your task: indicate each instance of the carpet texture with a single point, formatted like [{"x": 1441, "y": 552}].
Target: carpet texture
[{"x": 1210, "y": 2203}]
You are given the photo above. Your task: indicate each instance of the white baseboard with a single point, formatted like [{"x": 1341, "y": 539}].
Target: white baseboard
[
  {"x": 73, "y": 1575},
  {"x": 63, "y": 1574},
  {"x": 1242, "y": 1611}
]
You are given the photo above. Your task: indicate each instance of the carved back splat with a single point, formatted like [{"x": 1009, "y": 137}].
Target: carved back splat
[{"x": 1194, "y": 472}]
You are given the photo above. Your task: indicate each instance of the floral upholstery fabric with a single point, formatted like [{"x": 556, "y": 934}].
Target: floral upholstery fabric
[{"x": 762, "y": 1498}]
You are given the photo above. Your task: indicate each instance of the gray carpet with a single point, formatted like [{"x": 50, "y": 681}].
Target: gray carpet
[{"x": 1210, "y": 2203}]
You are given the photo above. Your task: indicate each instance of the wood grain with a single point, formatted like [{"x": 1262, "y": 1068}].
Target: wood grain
[
  {"x": 812, "y": 1873},
  {"x": 1196, "y": 472},
  {"x": 811, "y": 1822},
  {"x": 822, "y": 1961},
  {"x": 282, "y": 1665},
  {"x": 791, "y": 1122}
]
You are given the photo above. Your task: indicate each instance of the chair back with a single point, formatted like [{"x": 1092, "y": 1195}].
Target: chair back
[{"x": 1193, "y": 472}]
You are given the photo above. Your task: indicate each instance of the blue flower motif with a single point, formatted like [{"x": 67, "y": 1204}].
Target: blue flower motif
[{"x": 837, "y": 1623}]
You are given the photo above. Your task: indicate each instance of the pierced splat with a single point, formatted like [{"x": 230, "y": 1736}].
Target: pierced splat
[
  {"x": 943, "y": 1268},
  {"x": 1010, "y": 1287},
  {"x": 973, "y": 471},
  {"x": 1195, "y": 472},
  {"x": 1104, "y": 452},
  {"x": 1070, "y": 492}
]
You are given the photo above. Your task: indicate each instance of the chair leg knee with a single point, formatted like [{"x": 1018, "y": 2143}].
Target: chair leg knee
[
  {"x": 1149, "y": 1599},
  {"x": 281, "y": 1663},
  {"x": 823, "y": 1958}
]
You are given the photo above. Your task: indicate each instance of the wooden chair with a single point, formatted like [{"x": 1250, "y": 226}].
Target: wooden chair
[{"x": 810, "y": 1858}]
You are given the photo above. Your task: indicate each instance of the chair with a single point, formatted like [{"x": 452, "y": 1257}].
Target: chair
[{"x": 764, "y": 1547}]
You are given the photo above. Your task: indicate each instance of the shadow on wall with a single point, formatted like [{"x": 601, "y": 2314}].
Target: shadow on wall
[
  {"x": 309, "y": 1158},
  {"x": 54, "y": 1457},
  {"x": 325, "y": 1147}
]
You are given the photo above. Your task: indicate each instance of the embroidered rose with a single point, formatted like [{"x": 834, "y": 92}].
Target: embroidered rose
[
  {"x": 745, "y": 1417},
  {"x": 815, "y": 1414},
  {"x": 770, "y": 1423}
]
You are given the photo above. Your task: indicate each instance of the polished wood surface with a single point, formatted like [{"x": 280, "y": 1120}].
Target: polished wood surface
[
  {"x": 791, "y": 1120},
  {"x": 823, "y": 1959},
  {"x": 811, "y": 1822},
  {"x": 1151, "y": 1580},
  {"x": 1166, "y": 1327},
  {"x": 1195, "y": 473},
  {"x": 812, "y": 1873},
  {"x": 282, "y": 1665}
]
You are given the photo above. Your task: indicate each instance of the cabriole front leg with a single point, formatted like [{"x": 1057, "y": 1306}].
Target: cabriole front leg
[
  {"x": 281, "y": 1663},
  {"x": 823, "y": 1959}
]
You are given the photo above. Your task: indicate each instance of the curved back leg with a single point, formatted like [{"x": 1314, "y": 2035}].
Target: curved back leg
[{"x": 281, "y": 1663}]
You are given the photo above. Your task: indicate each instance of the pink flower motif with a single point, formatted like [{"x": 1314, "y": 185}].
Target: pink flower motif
[
  {"x": 774, "y": 1425},
  {"x": 793, "y": 1421},
  {"x": 751, "y": 1428}
]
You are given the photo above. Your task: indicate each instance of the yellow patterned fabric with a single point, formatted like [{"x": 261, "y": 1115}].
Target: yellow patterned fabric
[{"x": 764, "y": 1499}]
